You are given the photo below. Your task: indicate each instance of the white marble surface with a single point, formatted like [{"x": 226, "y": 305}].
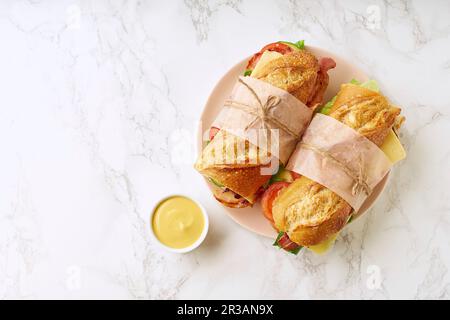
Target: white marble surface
[{"x": 97, "y": 96}]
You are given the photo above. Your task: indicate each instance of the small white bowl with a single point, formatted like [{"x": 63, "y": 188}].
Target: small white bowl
[{"x": 196, "y": 243}]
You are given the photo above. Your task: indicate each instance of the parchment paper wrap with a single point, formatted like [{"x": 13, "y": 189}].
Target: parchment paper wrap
[
  {"x": 339, "y": 158},
  {"x": 255, "y": 108}
]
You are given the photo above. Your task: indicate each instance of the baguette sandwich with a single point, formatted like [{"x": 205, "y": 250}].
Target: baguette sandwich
[
  {"x": 307, "y": 214},
  {"x": 284, "y": 65}
]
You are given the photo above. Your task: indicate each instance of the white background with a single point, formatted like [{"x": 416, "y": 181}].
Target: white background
[{"x": 95, "y": 96}]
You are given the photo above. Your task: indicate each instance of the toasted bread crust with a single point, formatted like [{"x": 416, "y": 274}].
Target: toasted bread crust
[
  {"x": 244, "y": 181},
  {"x": 295, "y": 72},
  {"x": 309, "y": 212},
  {"x": 241, "y": 173},
  {"x": 366, "y": 111},
  {"x": 370, "y": 114}
]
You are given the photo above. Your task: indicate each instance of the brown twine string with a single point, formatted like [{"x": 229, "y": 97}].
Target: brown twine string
[
  {"x": 262, "y": 111},
  {"x": 359, "y": 178}
]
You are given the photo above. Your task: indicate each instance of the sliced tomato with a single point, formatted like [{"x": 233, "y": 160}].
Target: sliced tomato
[
  {"x": 276, "y": 46},
  {"x": 295, "y": 175},
  {"x": 212, "y": 132},
  {"x": 253, "y": 61},
  {"x": 269, "y": 197}
]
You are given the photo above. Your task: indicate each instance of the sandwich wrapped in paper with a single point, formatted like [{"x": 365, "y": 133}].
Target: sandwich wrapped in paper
[
  {"x": 262, "y": 121},
  {"x": 342, "y": 156}
]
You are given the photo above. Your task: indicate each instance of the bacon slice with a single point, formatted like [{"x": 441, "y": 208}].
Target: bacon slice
[
  {"x": 326, "y": 64},
  {"x": 295, "y": 175},
  {"x": 321, "y": 84},
  {"x": 285, "y": 243}
]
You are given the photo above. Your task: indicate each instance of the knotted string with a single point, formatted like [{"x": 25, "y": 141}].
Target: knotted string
[
  {"x": 359, "y": 177},
  {"x": 262, "y": 111}
]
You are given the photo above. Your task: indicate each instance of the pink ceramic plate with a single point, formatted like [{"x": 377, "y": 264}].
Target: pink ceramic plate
[{"x": 253, "y": 218}]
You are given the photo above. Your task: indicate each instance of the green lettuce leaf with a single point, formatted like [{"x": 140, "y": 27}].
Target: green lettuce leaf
[
  {"x": 299, "y": 44},
  {"x": 325, "y": 109},
  {"x": 279, "y": 176},
  {"x": 276, "y": 244},
  {"x": 371, "y": 85},
  {"x": 216, "y": 183}
]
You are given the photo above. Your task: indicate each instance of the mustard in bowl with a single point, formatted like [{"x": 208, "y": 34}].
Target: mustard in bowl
[{"x": 179, "y": 223}]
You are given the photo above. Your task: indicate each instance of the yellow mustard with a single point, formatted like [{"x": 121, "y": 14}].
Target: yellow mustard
[{"x": 178, "y": 222}]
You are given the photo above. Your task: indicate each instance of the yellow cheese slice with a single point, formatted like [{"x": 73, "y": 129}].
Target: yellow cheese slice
[
  {"x": 323, "y": 247},
  {"x": 393, "y": 148},
  {"x": 266, "y": 57}
]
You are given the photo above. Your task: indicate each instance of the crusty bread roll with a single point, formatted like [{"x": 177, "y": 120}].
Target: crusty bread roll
[
  {"x": 309, "y": 212},
  {"x": 296, "y": 72}
]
